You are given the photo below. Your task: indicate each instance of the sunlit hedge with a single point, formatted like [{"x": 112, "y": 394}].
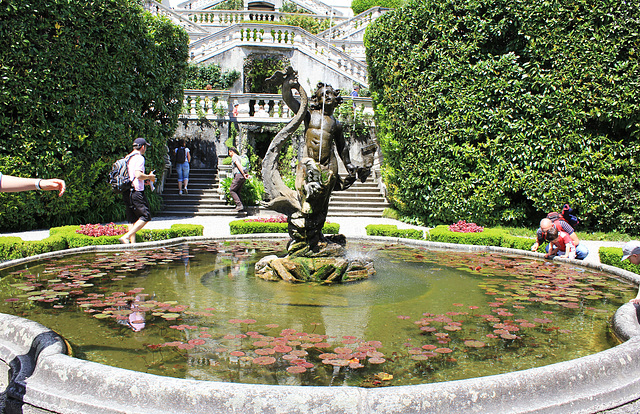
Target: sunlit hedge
[
  {"x": 612, "y": 256},
  {"x": 251, "y": 227},
  {"x": 79, "y": 81},
  {"x": 65, "y": 237},
  {"x": 498, "y": 112}
]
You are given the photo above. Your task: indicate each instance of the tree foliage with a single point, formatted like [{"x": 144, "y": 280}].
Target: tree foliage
[
  {"x": 199, "y": 76},
  {"x": 79, "y": 81},
  {"x": 359, "y": 6},
  {"x": 499, "y": 112}
]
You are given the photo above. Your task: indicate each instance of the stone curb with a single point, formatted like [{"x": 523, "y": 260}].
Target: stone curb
[{"x": 62, "y": 384}]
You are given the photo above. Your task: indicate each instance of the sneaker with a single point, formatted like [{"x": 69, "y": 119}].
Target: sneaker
[
  {"x": 186, "y": 190},
  {"x": 180, "y": 192}
]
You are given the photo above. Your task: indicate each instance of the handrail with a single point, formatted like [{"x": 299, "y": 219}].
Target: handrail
[
  {"x": 353, "y": 25},
  {"x": 158, "y": 9},
  {"x": 221, "y": 18},
  {"x": 219, "y": 104},
  {"x": 279, "y": 36}
]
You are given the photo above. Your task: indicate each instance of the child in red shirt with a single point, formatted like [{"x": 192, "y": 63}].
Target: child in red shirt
[{"x": 560, "y": 244}]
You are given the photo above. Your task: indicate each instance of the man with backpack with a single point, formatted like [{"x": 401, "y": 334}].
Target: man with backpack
[
  {"x": 138, "y": 213},
  {"x": 561, "y": 225},
  {"x": 183, "y": 158}
]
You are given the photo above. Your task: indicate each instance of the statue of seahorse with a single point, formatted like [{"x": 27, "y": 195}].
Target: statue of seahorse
[{"x": 283, "y": 199}]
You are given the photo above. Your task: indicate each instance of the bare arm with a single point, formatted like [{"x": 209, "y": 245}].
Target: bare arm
[
  {"x": 143, "y": 177},
  {"x": 10, "y": 184}
]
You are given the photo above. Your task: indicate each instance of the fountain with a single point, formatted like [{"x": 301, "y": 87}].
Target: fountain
[
  {"x": 312, "y": 256},
  {"x": 39, "y": 375}
]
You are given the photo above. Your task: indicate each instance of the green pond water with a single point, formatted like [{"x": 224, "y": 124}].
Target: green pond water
[{"x": 197, "y": 311}]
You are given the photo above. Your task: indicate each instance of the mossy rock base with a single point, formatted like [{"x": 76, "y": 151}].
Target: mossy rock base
[{"x": 324, "y": 270}]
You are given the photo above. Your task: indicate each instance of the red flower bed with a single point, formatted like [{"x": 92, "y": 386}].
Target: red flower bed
[
  {"x": 464, "y": 227},
  {"x": 97, "y": 230}
]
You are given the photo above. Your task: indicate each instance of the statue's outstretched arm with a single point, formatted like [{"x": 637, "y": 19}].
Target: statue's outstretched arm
[{"x": 289, "y": 80}]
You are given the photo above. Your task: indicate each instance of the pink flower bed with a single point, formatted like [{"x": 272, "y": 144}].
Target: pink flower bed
[{"x": 97, "y": 230}]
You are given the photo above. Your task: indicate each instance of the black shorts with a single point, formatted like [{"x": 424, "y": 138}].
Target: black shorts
[{"x": 137, "y": 206}]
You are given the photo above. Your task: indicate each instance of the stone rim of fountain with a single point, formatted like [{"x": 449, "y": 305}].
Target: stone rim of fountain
[{"x": 40, "y": 377}]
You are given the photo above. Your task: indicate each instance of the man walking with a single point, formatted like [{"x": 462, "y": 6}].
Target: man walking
[
  {"x": 239, "y": 177},
  {"x": 135, "y": 201}
]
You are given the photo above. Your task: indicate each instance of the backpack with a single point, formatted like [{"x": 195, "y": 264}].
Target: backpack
[
  {"x": 246, "y": 165},
  {"x": 570, "y": 216},
  {"x": 181, "y": 155},
  {"x": 119, "y": 175}
]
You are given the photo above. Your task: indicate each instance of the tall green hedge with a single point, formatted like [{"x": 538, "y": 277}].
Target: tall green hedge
[
  {"x": 500, "y": 111},
  {"x": 79, "y": 80}
]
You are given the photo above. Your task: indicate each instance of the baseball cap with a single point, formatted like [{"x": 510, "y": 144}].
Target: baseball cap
[
  {"x": 629, "y": 248},
  {"x": 140, "y": 142}
]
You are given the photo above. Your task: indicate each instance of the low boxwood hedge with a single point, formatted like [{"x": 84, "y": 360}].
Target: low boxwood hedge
[
  {"x": 442, "y": 234},
  {"x": 250, "y": 227},
  {"x": 65, "y": 237},
  {"x": 391, "y": 230},
  {"x": 612, "y": 255}
]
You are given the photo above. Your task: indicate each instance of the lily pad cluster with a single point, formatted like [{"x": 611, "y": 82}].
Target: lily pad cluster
[{"x": 527, "y": 304}]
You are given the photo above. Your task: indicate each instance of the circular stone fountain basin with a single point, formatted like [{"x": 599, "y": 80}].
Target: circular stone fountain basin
[{"x": 42, "y": 376}]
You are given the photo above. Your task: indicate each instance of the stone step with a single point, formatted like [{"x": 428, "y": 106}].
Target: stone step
[{"x": 360, "y": 200}]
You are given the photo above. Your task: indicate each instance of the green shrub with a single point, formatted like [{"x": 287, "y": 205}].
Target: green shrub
[
  {"x": 611, "y": 256},
  {"x": 80, "y": 81},
  {"x": 250, "y": 194},
  {"x": 499, "y": 112},
  {"x": 199, "y": 76},
  {"x": 65, "y": 237},
  {"x": 359, "y": 6},
  {"x": 176, "y": 230},
  {"x": 251, "y": 227},
  {"x": 391, "y": 230},
  {"x": 488, "y": 237}
]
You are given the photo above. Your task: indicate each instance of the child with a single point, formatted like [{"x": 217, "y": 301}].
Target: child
[{"x": 560, "y": 243}]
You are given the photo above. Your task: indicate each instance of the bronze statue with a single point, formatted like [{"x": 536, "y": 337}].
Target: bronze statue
[{"x": 316, "y": 173}]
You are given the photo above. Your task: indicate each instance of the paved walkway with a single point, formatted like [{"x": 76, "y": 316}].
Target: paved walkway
[{"x": 218, "y": 226}]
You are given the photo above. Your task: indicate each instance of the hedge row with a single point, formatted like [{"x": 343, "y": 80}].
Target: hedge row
[
  {"x": 501, "y": 111},
  {"x": 612, "y": 255},
  {"x": 442, "y": 234},
  {"x": 391, "y": 230},
  {"x": 65, "y": 237},
  {"x": 80, "y": 81},
  {"x": 251, "y": 227}
]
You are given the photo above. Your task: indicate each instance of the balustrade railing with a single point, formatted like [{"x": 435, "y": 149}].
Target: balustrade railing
[
  {"x": 252, "y": 107},
  {"x": 222, "y": 18},
  {"x": 278, "y": 36},
  {"x": 356, "y": 24},
  {"x": 158, "y": 9}
]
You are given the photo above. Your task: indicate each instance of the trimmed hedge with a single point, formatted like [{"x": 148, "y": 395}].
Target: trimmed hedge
[
  {"x": 442, "y": 234},
  {"x": 391, "y": 230},
  {"x": 488, "y": 237},
  {"x": 251, "y": 227},
  {"x": 499, "y": 112},
  {"x": 65, "y": 237},
  {"x": 80, "y": 81},
  {"x": 611, "y": 256}
]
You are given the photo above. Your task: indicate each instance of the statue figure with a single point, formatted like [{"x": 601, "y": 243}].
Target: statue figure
[{"x": 317, "y": 171}]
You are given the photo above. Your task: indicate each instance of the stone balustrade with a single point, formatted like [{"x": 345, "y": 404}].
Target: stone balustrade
[
  {"x": 279, "y": 36},
  {"x": 252, "y": 107},
  {"x": 158, "y": 9},
  {"x": 345, "y": 29},
  {"x": 223, "y": 18}
]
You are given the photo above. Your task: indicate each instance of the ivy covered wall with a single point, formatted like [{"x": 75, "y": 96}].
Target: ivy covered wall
[
  {"x": 79, "y": 81},
  {"x": 500, "y": 111}
]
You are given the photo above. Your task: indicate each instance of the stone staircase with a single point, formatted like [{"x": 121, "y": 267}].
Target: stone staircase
[
  {"x": 361, "y": 200},
  {"x": 203, "y": 198}
]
